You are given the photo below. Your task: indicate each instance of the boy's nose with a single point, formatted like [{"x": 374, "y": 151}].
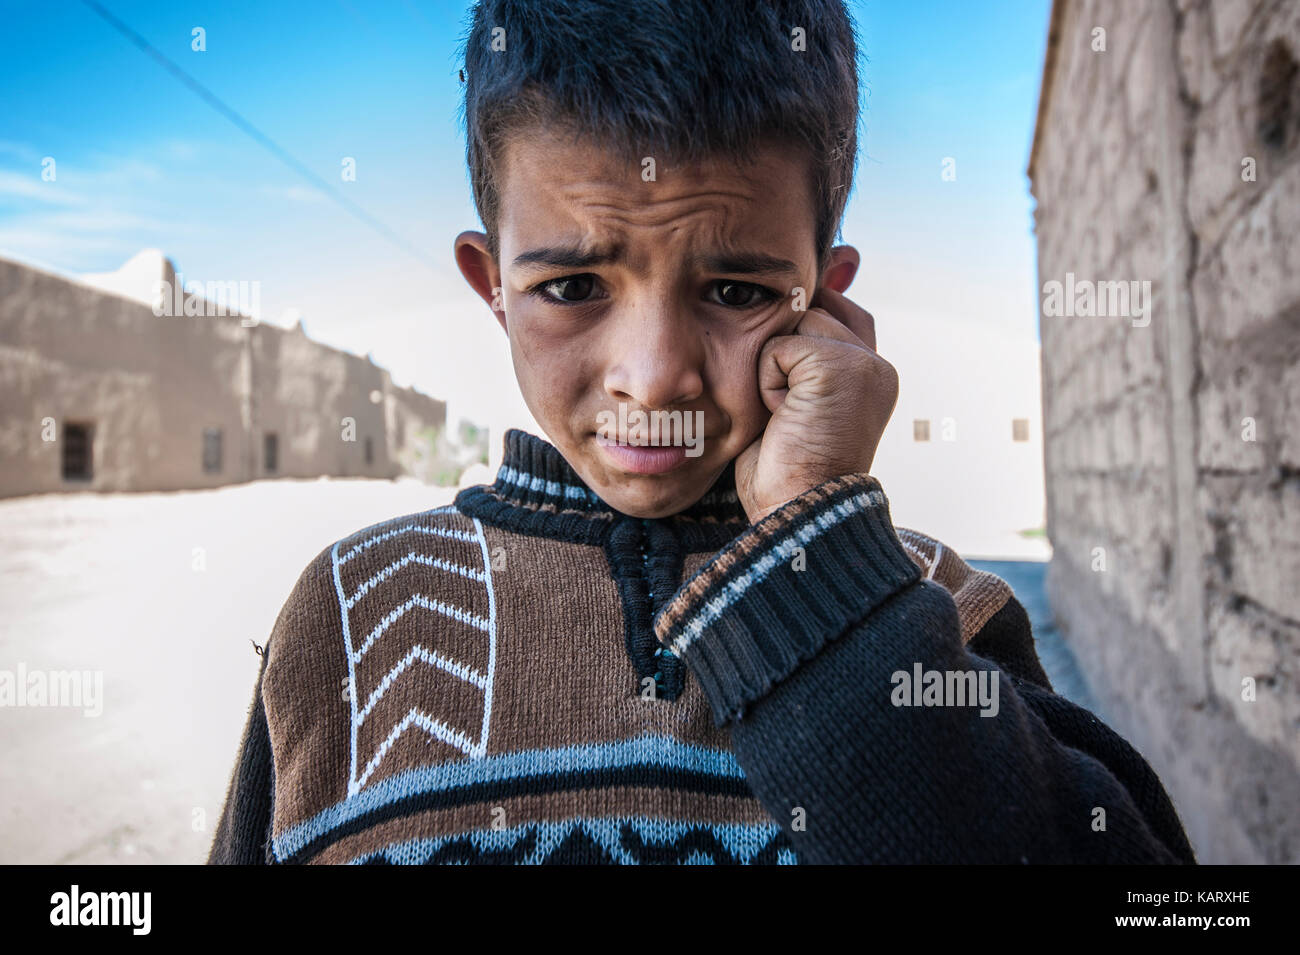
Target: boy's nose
[{"x": 657, "y": 361}]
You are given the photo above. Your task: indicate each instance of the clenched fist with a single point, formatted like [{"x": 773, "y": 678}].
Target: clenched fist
[{"x": 830, "y": 396}]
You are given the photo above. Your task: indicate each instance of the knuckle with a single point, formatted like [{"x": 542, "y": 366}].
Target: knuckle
[{"x": 885, "y": 374}]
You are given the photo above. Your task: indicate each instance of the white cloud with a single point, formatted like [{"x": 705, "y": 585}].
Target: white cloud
[
  {"x": 295, "y": 193},
  {"x": 17, "y": 185}
]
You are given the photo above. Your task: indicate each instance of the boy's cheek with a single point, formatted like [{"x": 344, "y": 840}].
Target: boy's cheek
[
  {"x": 734, "y": 362},
  {"x": 529, "y": 338},
  {"x": 545, "y": 359},
  {"x": 746, "y": 415}
]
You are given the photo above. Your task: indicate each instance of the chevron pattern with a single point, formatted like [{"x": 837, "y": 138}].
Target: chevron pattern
[
  {"x": 639, "y": 841},
  {"x": 387, "y": 588}
]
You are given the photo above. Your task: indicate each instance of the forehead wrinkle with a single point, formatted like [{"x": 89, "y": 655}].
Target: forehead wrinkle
[
  {"x": 621, "y": 204},
  {"x": 606, "y": 217},
  {"x": 715, "y": 236}
]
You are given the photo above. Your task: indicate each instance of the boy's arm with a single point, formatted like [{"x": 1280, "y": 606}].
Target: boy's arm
[
  {"x": 796, "y": 632},
  {"x": 244, "y": 830}
]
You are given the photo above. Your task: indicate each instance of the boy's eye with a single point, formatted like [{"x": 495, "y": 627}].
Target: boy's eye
[
  {"x": 576, "y": 289},
  {"x": 741, "y": 294},
  {"x": 572, "y": 289}
]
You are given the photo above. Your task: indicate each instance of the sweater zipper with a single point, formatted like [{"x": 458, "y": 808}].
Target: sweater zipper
[{"x": 650, "y": 593}]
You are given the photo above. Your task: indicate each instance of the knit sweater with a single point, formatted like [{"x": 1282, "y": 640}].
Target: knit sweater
[{"x": 528, "y": 676}]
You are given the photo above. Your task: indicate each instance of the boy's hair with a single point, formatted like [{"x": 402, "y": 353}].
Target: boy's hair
[{"x": 679, "y": 80}]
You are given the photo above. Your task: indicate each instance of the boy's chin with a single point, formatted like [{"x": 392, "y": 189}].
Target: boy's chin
[
  {"x": 654, "y": 496},
  {"x": 645, "y": 496},
  {"x": 648, "y": 503}
]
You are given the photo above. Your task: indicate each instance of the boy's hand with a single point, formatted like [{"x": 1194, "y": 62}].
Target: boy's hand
[{"x": 830, "y": 396}]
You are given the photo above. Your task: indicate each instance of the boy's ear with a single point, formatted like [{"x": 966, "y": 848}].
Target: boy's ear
[
  {"x": 841, "y": 267},
  {"x": 481, "y": 271}
]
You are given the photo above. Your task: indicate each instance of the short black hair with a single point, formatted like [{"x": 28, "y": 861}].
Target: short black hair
[{"x": 682, "y": 79}]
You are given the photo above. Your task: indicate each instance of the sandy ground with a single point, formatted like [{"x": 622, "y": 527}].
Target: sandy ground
[{"x": 107, "y": 583}]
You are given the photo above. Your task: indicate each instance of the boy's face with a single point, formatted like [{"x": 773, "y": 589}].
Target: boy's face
[{"x": 654, "y": 295}]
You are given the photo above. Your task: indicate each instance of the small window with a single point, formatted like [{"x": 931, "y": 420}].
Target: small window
[
  {"x": 77, "y": 451},
  {"x": 212, "y": 450},
  {"x": 370, "y": 451},
  {"x": 1019, "y": 429},
  {"x": 921, "y": 429},
  {"x": 271, "y": 453}
]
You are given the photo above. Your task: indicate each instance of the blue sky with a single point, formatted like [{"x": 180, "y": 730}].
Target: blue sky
[{"x": 144, "y": 162}]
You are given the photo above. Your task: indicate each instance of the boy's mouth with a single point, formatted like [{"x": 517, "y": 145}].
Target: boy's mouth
[
  {"x": 654, "y": 442},
  {"x": 642, "y": 458}
]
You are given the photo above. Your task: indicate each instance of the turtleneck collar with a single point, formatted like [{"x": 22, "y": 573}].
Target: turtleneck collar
[{"x": 537, "y": 491}]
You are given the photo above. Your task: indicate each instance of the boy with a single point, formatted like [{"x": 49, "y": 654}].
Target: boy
[{"x": 711, "y": 645}]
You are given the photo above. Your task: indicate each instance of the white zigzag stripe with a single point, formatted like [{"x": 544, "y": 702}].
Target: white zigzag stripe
[
  {"x": 412, "y": 558},
  {"x": 779, "y": 552},
  {"x": 434, "y": 727},
  {"x": 408, "y": 529},
  {"x": 921, "y": 554},
  {"x": 931, "y": 564},
  {"x": 431, "y": 657},
  {"x": 419, "y": 600}
]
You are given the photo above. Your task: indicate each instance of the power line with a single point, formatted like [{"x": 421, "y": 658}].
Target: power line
[{"x": 257, "y": 135}]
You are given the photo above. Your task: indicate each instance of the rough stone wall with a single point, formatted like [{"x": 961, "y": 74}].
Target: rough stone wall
[
  {"x": 152, "y": 384},
  {"x": 1172, "y": 439}
]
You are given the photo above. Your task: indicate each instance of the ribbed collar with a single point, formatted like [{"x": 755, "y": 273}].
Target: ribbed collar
[{"x": 537, "y": 491}]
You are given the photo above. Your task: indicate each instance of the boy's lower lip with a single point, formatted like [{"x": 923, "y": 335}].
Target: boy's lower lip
[{"x": 644, "y": 460}]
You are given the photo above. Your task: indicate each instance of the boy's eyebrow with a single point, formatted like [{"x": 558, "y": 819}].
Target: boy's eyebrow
[
  {"x": 567, "y": 257},
  {"x": 579, "y": 257},
  {"x": 746, "y": 263}
]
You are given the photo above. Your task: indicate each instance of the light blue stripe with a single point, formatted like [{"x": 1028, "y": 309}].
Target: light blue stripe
[
  {"x": 655, "y": 750},
  {"x": 490, "y": 686},
  {"x": 777, "y": 553},
  {"x": 742, "y": 840},
  {"x": 352, "y": 670},
  {"x": 555, "y": 489}
]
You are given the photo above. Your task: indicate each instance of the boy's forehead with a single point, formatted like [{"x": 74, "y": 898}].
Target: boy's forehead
[{"x": 551, "y": 185}]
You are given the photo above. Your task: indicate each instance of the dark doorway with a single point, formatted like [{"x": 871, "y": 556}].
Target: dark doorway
[
  {"x": 78, "y": 451},
  {"x": 212, "y": 450},
  {"x": 271, "y": 453}
]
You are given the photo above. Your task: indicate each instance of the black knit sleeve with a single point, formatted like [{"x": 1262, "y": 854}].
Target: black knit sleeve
[
  {"x": 244, "y": 830},
  {"x": 812, "y": 635}
]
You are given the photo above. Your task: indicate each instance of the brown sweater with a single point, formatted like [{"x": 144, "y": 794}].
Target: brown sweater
[{"x": 530, "y": 676}]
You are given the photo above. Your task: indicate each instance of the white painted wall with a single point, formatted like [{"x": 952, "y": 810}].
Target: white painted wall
[{"x": 980, "y": 489}]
